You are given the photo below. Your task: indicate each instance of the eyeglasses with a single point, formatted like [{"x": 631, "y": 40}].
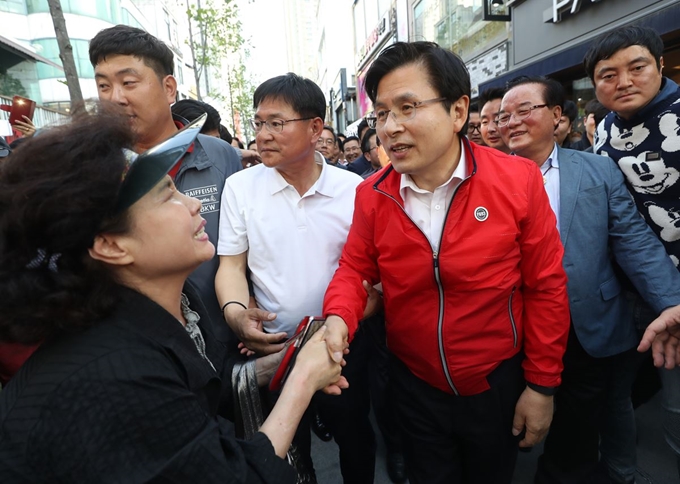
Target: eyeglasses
[
  {"x": 522, "y": 113},
  {"x": 400, "y": 114},
  {"x": 327, "y": 142},
  {"x": 273, "y": 125},
  {"x": 473, "y": 127},
  {"x": 371, "y": 149}
]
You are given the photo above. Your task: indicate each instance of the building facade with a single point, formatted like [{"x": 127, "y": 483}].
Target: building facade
[
  {"x": 377, "y": 25},
  {"x": 477, "y": 30},
  {"x": 551, "y": 37},
  {"x": 28, "y": 23}
]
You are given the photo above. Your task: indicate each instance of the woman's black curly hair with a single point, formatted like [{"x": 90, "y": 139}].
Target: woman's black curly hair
[{"x": 57, "y": 191}]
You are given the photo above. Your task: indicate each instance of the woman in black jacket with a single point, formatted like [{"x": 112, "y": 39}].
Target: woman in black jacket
[{"x": 128, "y": 385}]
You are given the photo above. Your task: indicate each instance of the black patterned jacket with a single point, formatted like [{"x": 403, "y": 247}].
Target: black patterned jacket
[{"x": 129, "y": 400}]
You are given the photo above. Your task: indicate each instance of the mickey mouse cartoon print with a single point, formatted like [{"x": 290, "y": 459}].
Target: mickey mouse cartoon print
[
  {"x": 648, "y": 173},
  {"x": 667, "y": 219},
  {"x": 628, "y": 139},
  {"x": 669, "y": 126}
]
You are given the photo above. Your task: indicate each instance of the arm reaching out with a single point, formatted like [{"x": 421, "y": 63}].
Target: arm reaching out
[
  {"x": 663, "y": 336},
  {"x": 231, "y": 287}
]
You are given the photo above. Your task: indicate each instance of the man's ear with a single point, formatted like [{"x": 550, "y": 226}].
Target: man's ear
[
  {"x": 557, "y": 115},
  {"x": 170, "y": 88},
  {"x": 316, "y": 127},
  {"x": 110, "y": 249},
  {"x": 459, "y": 112},
  {"x": 660, "y": 64}
]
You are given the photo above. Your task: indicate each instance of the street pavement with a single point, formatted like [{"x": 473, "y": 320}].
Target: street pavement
[{"x": 656, "y": 464}]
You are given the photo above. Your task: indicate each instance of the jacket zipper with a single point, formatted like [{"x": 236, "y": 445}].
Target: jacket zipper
[
  {"x": 512, "y": 318},
  {"x": 437, "y": 277}
]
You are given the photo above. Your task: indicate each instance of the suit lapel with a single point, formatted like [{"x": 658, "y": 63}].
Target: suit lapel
[{"x": 570, "y": 181}]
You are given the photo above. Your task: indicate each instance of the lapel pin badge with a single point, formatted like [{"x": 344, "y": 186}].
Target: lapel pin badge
[{"x": 481, "y": 214}]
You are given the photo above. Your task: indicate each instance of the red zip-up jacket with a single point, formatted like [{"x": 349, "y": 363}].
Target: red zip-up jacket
[{"x": 496, "y": 286}]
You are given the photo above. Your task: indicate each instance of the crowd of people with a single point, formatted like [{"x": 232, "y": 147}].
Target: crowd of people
[{"x": 486, "y": 281}]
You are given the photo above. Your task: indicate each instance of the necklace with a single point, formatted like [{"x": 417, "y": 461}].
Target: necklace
[{"x": 545, "y": 174}]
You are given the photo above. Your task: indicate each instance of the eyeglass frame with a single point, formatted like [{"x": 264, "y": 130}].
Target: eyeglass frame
[
  {"x": 267, "y": 123},
  {"x": 326, "y": 141},
  {"x": 372, "y": 121},
  {"x": 529, "y": 110},
  {"x": 472, "y": 127}
]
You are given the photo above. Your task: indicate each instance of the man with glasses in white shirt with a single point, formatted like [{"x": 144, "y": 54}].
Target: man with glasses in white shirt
[
  {"x": 466, "y": 247},
  {"x": 286, "y": 221}
]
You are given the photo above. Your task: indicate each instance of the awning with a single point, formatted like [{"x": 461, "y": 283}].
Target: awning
[
  {"x": 16, "y": 48},
  {"x": 663, "y": 21}
]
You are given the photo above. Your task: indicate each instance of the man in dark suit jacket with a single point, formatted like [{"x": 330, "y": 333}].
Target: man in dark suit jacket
[
  {"x": 361, "y": 164},
  {"x": 597, "y": 218}
]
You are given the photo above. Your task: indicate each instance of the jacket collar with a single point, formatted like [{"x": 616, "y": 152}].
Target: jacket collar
[
  {"x": 198, "y": 158},
  {"x": 390, "y": 181},
  {"x": 137, "y": 313},
  {"x": 571, "y": 169}
]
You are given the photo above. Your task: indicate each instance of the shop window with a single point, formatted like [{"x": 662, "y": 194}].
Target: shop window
[
  {"x": 671, "y": 61},
  {"x": 128, "y": 19},
  {"x": 13, "y": 6},
  {"x": 49, "y": 49},
  {"x": 457, "y": 25},
  {"x": 108, "y": 10}
]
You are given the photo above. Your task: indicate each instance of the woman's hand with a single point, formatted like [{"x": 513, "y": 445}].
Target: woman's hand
[
  {"x": 25, "y": 127},
  {"x": 315, "y": 366}
]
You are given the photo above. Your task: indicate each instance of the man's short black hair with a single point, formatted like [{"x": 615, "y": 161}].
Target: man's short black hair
[
  {"x": 251, "y": 143},
  {"x": 617, "y": 39},
  {"x": 474, "y": 108},
  {"x": 363, "y": 124},
  {"x": 352, "y": 138},
  {"x": 366, "y": 141},
  {"x": 445, "y": 71},
  {"x": 225, "y": 135},
  {"x": 553, "y": 92},
  {"x": 303, "y": 95},
  {"x": 570, "y": 110},
  {"x": 126, "y": 40},
  {"x": 595, "y": 108},
  {"x": 490, "y": 94},
  {"x": 191, "y": 109},
  {"x": 330, "y": 128}
]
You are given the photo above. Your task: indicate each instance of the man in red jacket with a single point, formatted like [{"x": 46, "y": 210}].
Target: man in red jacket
[{"x": 465, "y": 244}]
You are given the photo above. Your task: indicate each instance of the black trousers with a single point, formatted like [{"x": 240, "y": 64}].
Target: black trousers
[
  {"x": 571, "y": 453},
  {"x": 346, "y": 416},
  {"x": 452, "y": 439},
  {"x": 378, "y": 377}
]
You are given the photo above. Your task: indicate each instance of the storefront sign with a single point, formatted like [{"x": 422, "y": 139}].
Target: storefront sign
[
  {"x": 561, "y": 7},
  {"x": 375, "y": 38}
]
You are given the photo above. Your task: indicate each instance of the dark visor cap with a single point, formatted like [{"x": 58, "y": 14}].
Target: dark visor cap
[{"x": 147, "y": 169}]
